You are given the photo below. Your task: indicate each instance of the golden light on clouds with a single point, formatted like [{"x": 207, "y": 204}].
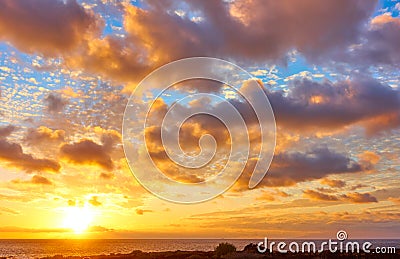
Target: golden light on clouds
[
  {"x": 317, "y": 99},
  {"x": 67, "y": 69}
]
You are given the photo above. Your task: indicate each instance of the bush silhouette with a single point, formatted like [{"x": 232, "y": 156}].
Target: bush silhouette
[{"x": 224, "y": 249}]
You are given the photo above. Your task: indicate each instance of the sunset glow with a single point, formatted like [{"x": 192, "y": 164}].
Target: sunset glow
[
  {"x": 78, "y": 219},
  {"x": 329, "y": 69}
]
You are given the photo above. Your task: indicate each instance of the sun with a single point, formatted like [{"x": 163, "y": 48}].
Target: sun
[{"x": 78, "y": 218}]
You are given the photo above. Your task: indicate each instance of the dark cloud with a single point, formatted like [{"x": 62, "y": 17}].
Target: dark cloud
[
  {"x": 37, "y": 179},
  {"x": 339, "y": 105},
  {"x": 13, "y": 154},
  {"x": 326, "y": 106},
  {"x": 6, "y": 131},
  {"x": 87, "y": 152},
  {"x": 43, "y": 135},
  {"x": 242, "y": 29},
  {"x": 301, "y": 166},
  {"x": 45, "y": 26},
  {"x": 55, "y": 103},
  {"x": 109, "y": 138},
  {"x": 237, "y": 30},
  {"x": 356, "y": 197},
  {"x": 379, "y": 45},
  {"x": 289, "y": 168}
]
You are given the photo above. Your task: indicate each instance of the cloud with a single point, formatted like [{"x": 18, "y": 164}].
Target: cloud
[
  {"x": 46, "y": 26},
  {"x": 43, "y": 135},
  {"x": 222, "y": 29},
  {"x": 287, "y": 168},
  {"x": 291, "y": 167},
  {"x": 271, "y": 195},
  {"x": 333, "y": 183},
  {"x": 55, "y": 103},
  {"x": 361, "y": 101},
  {"x": 36, "y": 179},
  {"x": 111, "y": 57},
  {"x": 360, "y": 197},
  {"x": 394, "y": 200},
  {"x": 240, "y": 29},
  {"x": 8, "y": 210},
  {"x": 397, "y": 7},
  {"x": 141, "y": 211},
  {"x": 65, "y": 28},
  {"x": 13, "y": 154},
  {"x": 106, "y": 176},
  {"x": 109, "y": 138},
  {"x": 315, "y": 164},
  {"x": 369, "y": 158},
  {"x": 319, "y": 196},
  {"x": 94, "y": 201},
  {"x": 6, "y": 131},
  {"x": 12, "y": 229},
  {"x": 87, "y": 152},
  {"x": 379, "y": 44},
  {"x": 354, "y": 197},
  {"x": 99, "y": 229},
  {"x": 16, "y": 198},
  {"x": 189, "y": 135}
]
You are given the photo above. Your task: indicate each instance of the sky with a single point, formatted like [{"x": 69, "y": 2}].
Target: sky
[{"x": 330, "y": 70}]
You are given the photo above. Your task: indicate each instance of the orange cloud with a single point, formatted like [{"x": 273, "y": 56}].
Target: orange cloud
[
  {"x": 142, "y": 211},
  {"x": 43, "y": 135},
  {"x": 36, "y": 179},
  {"x": 13, "y": 155},
  {"x": 94, "y": 201},
  {"x": 46, "y": 26},
  {"x": 6, "y": 131},
  {"x": 319, "y": 196},
  {"x": 354, "y": 197},
  {"x": 107, "y": 176},
  {"x": 394, "y": 200},
  {"x": 383, "y": 19},
  {"x": 360, "y": 197},
  {"x": 87, "y": 152},
  {"x": 361, "y": 101},
  {"x": 111, "y": 57},
  {"x": 333, "y": 183},
  {"x": 229, "y": 28},
  {"x": 271, "y": 195}
]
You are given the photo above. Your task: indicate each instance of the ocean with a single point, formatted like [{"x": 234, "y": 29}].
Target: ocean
[{"x": 38, "y": 248}]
